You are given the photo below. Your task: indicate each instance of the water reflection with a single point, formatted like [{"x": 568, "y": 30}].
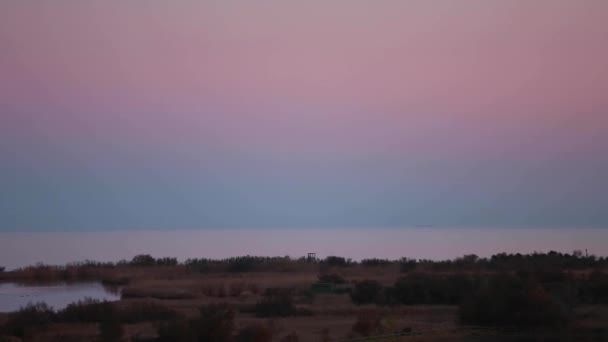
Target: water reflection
[{"x": 58, "y": 295}]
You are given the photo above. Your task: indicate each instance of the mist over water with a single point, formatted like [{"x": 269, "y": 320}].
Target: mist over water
[{"x": 19, "y": 249}]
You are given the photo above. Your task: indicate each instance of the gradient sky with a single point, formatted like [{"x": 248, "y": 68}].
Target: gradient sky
[{"x": 202, "y": 114}]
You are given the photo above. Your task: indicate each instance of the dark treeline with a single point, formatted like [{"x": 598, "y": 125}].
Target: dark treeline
[
  {"x": 519, "y": 298},
  {"x": 498, "y": 262}
]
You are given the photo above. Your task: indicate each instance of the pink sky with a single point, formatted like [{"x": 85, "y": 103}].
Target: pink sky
[{"x": 290, "y": 85}]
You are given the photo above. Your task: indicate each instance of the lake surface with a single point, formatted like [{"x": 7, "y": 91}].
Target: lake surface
[
  {"x": 21, "y": 249},
  {"x": 14, "y": 296}
]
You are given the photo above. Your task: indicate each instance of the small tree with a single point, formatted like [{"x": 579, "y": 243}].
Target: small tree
[{"x": 143, "y": 260}]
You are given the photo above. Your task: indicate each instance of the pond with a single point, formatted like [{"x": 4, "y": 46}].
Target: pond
[{"x": 14, "y": 296}]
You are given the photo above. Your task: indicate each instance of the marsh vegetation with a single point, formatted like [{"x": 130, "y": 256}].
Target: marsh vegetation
[{"x": 511, "y": 297}]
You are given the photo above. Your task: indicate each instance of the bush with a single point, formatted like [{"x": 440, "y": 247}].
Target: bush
[
  {"x": 332, "y": 278},
  {"x": 337, "y": 261},
  {"x": 143, "y": 260},
  {"x": 406, "y": 265},
  {"x": 242, "y": 264},
  {"x": 419, "y": 288},
  {"x": 276, "y": 303},
  {"x": 510, "y": 301},
  {"x": 166, "y": 261},
  {"x": 199, "y": 265},
  {"x": 366, "y": 291},
  {"x": 375, "y": 262},
  {"x": 86, "y": 311},
  {"x": 28, "y": 319}
]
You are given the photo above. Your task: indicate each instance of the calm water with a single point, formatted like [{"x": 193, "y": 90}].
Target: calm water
[
  {"x": 14, "y": 296},
  {"x": 21, "y": 249}
]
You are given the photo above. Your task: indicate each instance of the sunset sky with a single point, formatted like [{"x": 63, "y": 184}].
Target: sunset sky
[{"x": 213, "y": 114}]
